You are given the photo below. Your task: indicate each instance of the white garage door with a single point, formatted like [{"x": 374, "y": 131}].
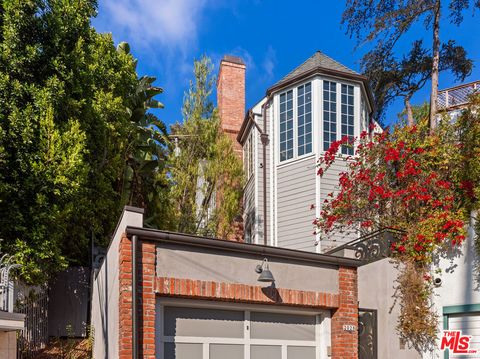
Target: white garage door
[
  {"x": 469, "y": 324},
  {"x": 209, "y": 333}
]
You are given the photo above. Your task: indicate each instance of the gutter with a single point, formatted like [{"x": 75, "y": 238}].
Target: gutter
[{"x": 238, "y": 247}]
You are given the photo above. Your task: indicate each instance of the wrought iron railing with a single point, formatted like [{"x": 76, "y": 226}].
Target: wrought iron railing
[
  {"x": 371, "y": 247},
  {"x": 6, "y": 285},
  {"x": 34, "y": 336},
  {"x": 457, "y": 96}
]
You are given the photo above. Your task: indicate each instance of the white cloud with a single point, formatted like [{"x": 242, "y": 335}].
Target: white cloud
[
  {"x": 269, "y": 62},
  {"x": 170, "y": 23}
]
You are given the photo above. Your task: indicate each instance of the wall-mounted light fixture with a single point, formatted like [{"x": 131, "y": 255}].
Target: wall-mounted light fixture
[{"x": 264, "y": 271}]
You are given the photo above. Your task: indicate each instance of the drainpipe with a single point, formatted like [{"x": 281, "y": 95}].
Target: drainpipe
[{"x": 134, "y": 298}]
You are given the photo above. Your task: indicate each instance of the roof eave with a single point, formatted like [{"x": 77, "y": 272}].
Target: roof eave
[
  {"x": 246, "y": 125},
  {"x": 315, "y": 71}
]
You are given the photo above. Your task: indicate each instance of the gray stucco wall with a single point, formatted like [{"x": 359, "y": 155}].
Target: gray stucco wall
[
  {"x": 375, "y": 290},
  {"x": 215, "y": 265},
  {"x": 105, "y": 296},
  {"x": 295, "y": 194}
]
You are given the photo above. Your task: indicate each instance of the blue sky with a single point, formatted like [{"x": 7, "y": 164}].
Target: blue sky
[{"x": 272, "y": 37}]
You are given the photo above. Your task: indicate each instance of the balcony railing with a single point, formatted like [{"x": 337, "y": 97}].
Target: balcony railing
[
  {"x": 6, "y": 285},
  {"x": 458, "y": 96},
  {"x": 371, "y": 247}
]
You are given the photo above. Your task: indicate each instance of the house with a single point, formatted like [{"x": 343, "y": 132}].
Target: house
[{"x": 276, "y": 294}]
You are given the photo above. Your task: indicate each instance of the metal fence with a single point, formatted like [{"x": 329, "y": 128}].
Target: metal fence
[
  {"x": 34, "y": 337},
  {"x": 457, "y": 96}
]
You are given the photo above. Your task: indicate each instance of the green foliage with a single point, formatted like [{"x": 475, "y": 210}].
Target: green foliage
[
  {"x": 386, "y": 22},
  {"x": 69, "y": 119},
  {"x": 390, "y": 78},
  {"x": 205, "y": 172}
]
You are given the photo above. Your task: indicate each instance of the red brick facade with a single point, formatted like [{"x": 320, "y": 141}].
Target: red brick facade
[
  {"x": 344, "y": 342},
  {"x": 242, "y": 293},
  {"x": 344, "y": 305},
  {"x": 146, "y": 299},
  {"x": 231, "y": 97}
]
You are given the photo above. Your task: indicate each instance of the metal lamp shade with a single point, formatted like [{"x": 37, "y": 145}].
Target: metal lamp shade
[{"x": 266, "y": 276}]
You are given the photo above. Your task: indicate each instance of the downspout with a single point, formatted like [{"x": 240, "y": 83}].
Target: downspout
[{"x": 134, "y": 298}]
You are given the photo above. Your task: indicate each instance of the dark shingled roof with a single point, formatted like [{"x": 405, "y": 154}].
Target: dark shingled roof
[{"x": 317, "y": 60}]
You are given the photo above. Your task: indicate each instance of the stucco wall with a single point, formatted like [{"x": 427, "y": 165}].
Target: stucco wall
[
  {"x": 375, "y": 290},
  {"x": 211, "y": 265},
  {"x": 105, "y": 296}
]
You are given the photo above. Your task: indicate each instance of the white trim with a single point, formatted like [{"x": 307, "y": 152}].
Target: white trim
[
  {"x": 241, "y": 341},
  {"x": 318, "y": 149},
  {"x": 255, "y": 229},
  {"x": 273, "y": 149},
  {"x": 301, "y": 159},
  {"x": 271, "y": 175}
]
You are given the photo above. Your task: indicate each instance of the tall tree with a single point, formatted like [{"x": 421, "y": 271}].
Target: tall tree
[
  {"x": 205, "y": 171},
  {"x": 391, "y": 78},
  {"x": 65, "y": 95},
  {"x": 387, "y": 21},
  {"x": 144, "y": 183}
]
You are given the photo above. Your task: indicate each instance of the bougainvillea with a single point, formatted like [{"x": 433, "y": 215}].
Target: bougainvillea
[{"x": 413, "y": 179}]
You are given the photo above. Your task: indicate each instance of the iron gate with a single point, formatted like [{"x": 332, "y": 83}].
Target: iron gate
[{"x": 367, "y": 334}]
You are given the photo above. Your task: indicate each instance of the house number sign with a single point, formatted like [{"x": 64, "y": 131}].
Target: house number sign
[{"x": 349, "y": 328}]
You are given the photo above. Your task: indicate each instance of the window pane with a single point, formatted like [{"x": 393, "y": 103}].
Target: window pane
[
  {"x": 300, "y": 352},
  {"x": 196, "y": 322},
  {"x": 304, "y": 112},
  {"x": 226, "y": 351},
  {"x": 265, "y": 351},
  {"x": 183, "y": 351},
  {"x": 282, "y": 326},
  {"x": 286, "y": 125},
  {"x": 347, "y": 117},
  {"x": 329, "y": 113}
]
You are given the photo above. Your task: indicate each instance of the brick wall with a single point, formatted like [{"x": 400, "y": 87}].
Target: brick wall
[
  {"x": 345, "y": 343},
  {"x": 231, "y": 97},
  {"x": 242, "y": 293},
  {"x": 145, "y": 295}
]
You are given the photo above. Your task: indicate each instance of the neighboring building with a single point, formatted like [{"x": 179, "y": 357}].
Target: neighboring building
[
  {"x": 457, "y": 297},
  {"x": 10, "y": 322}
]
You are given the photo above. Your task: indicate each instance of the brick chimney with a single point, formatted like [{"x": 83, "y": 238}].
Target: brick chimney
[{"x": 231, "y": 97}]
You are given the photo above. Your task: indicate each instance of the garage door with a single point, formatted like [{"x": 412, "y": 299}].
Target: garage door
[
  {"x": 469, "y": 324},
  {"x": 207, "y": 333}
]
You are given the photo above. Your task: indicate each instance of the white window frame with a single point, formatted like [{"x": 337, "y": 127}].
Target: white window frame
[
  {"x": 322, "y": 327},
  {"x": 294, "y": 90}
]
